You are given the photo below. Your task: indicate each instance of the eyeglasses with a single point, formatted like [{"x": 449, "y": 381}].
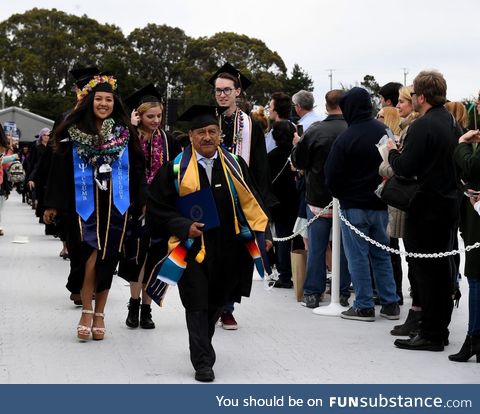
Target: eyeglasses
[{"x": 225, "y": 91}]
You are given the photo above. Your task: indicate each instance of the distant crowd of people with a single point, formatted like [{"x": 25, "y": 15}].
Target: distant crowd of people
[{"x": 203, "y": 209}]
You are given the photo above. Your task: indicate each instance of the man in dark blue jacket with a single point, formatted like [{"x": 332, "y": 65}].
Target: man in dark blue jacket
[
  {"x": 310, "y": 154},
  {"x": 351, "y": 173}
]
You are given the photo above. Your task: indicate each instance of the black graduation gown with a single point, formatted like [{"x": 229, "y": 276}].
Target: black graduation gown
[
  {"x": 225, "y": 275},
  {"x": 140, "y": 247},
  {"x": 60, "y": 194}
]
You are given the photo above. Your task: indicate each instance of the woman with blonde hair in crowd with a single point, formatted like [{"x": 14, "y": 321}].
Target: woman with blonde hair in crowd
[
  {"x": 459, "y": 112},
  {"x": 390, "y": 117},
  {"x": 141, "y": 252},
  {"x": 258, "y": 114},
  {"x": 396, "y": 221}
]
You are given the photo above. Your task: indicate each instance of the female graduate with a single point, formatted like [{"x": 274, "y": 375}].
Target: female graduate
[
  {"x": 141, "y": 252},
  {"x": 97, "y": 184}
]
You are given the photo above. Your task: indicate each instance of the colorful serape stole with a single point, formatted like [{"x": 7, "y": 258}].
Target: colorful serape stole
[{"x": 250, "y": 220}]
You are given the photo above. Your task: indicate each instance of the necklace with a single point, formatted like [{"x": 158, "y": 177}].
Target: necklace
[
  {"x": 238, "y": 124},
  {"x": 102, "y": 148},
  {"x": 156, "y": 148}
]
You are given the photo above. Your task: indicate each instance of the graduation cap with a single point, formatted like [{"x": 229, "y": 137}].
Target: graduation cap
[
  {"x": 83, "y": 75},
  {"x": 228, "y": 68},
  {"x": 201, "y": 116},
  {"x": 148, "y": 93}
]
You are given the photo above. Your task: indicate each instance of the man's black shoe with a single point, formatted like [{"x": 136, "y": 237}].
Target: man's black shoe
[
  {"x": 413, "y": 334},
  {"x": 419, "y": 344},
  {"x": 204, "y": 374},
  {"x": 286, "y": 284}
]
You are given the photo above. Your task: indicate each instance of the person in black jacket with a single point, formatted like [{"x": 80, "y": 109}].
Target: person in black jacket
[
  {"x": 310, "y": 154},
  {"x": 284, "y": 189},
  {"x": 351, "y": 173},
  {"x": 432, "y": 221}
]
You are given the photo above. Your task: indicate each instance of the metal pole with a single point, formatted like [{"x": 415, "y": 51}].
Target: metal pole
[
  {"x": 334, "y": 309},
  {"x": 405, "y": 73},
  {"x": 3, "y": 88},
  {"x": 330, "y": 75}
]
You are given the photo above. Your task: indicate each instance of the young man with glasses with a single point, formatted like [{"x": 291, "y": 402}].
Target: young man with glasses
[{"x": 244, "y": 137}]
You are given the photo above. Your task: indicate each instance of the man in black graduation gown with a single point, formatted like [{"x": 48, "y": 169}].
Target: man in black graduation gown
[
  {"x": 226, "y": 269},
  {"x": 244, "y": 137}
]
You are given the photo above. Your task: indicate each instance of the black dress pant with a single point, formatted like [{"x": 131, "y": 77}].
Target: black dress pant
[
  {"x": 396, "y": 260},
  {"x": 434, "y": 277},
  {"x": 201, "y": 327}
]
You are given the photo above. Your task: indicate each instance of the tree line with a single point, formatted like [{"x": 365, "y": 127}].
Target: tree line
[{"x": 40, "y": 46}]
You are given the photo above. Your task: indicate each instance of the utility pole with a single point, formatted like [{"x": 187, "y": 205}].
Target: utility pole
[
  {"x": 405, "y": 73},
  {"x": 330, "y": 75},
  {"x": 3, "y": 88}
]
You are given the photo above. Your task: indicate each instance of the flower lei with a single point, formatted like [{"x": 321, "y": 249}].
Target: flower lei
[
  {"x": 156, "y": 155},
  {"x": 94, "y": 82},
  {"x": 103, "y": 148}
]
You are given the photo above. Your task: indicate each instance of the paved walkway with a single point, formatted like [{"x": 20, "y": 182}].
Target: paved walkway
[{"x": 278, "y": 341}]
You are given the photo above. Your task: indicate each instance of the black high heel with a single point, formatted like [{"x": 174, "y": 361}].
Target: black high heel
[{"x": 470, "y": 347}]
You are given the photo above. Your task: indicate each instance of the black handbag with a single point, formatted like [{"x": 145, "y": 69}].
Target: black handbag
[{"x": 400, "y": 192}]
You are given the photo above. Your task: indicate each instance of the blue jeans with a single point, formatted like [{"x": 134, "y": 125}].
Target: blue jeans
[
  {"x": 473, "y": 306},
  {"x": 316, "y": 274},
  {"x": 360, "y": 254}
]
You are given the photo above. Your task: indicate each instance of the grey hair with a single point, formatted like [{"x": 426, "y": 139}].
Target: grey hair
[{"x": 304, "y": 99}]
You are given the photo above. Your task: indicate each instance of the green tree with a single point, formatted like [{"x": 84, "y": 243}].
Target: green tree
[
  {"x": 158, "y": 51},
  {"x": 42, "y": 45},
  {"x": 372, "y": 86},
  {"x": 298, "y": 80},
  {"x": 251, "y": 56}
]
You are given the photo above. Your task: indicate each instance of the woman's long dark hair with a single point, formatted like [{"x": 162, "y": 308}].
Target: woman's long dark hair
[
  {"x": 83, "y": 118},
  {"x": 3, "y": 138},
  {"x": 283, "y": 133}
]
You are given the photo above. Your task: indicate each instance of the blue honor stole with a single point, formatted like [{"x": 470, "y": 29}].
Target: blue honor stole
[
  {"x": 120, "y": 182},
  {"x": 83, "y": 178},
  {"x": 84, "y": 187}
]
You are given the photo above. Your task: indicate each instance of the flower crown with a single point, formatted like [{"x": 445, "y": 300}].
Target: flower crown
[{"x": 96, "y": 80}]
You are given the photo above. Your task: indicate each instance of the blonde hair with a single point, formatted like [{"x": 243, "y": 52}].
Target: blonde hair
[
  {"x": 258, "y": 114},
  {"x": 406, "y": 93},
  {"x": 459, "y": 112},
  {"x": 391, "y": 118},
  {"x": 144, "y": 107}
]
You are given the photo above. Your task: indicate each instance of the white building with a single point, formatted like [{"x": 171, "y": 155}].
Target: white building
[{"x": 28, "y": 124}]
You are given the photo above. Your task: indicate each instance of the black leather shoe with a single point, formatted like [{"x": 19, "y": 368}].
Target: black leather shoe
[
  {"x": 286, "y": 284},
  {"x": 413, "y": 334},
  {"x": 204, "y": 374},
  {"x": 419, "y": 344}
]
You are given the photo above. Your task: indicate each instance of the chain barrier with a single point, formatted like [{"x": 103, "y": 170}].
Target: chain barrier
[
  {"x": 284, "y": 239},
  {"x": 402, "y": 252},
  {"x": 376, "y": 243}
]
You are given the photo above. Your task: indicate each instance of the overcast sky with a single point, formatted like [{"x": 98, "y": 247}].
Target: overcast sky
[{"x": 352, "y": 37}]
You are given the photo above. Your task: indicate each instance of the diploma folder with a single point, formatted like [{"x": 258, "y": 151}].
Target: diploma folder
[{"x": 200, "y": 207}]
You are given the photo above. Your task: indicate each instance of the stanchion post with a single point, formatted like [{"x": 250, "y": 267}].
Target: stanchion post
[{"x": 334, "y": 309}]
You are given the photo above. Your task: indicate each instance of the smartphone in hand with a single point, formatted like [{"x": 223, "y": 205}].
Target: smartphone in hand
[{"x": 300, "y": 129}]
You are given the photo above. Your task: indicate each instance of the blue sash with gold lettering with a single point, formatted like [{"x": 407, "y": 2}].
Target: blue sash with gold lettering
[{"x": 83, "y": 177}]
